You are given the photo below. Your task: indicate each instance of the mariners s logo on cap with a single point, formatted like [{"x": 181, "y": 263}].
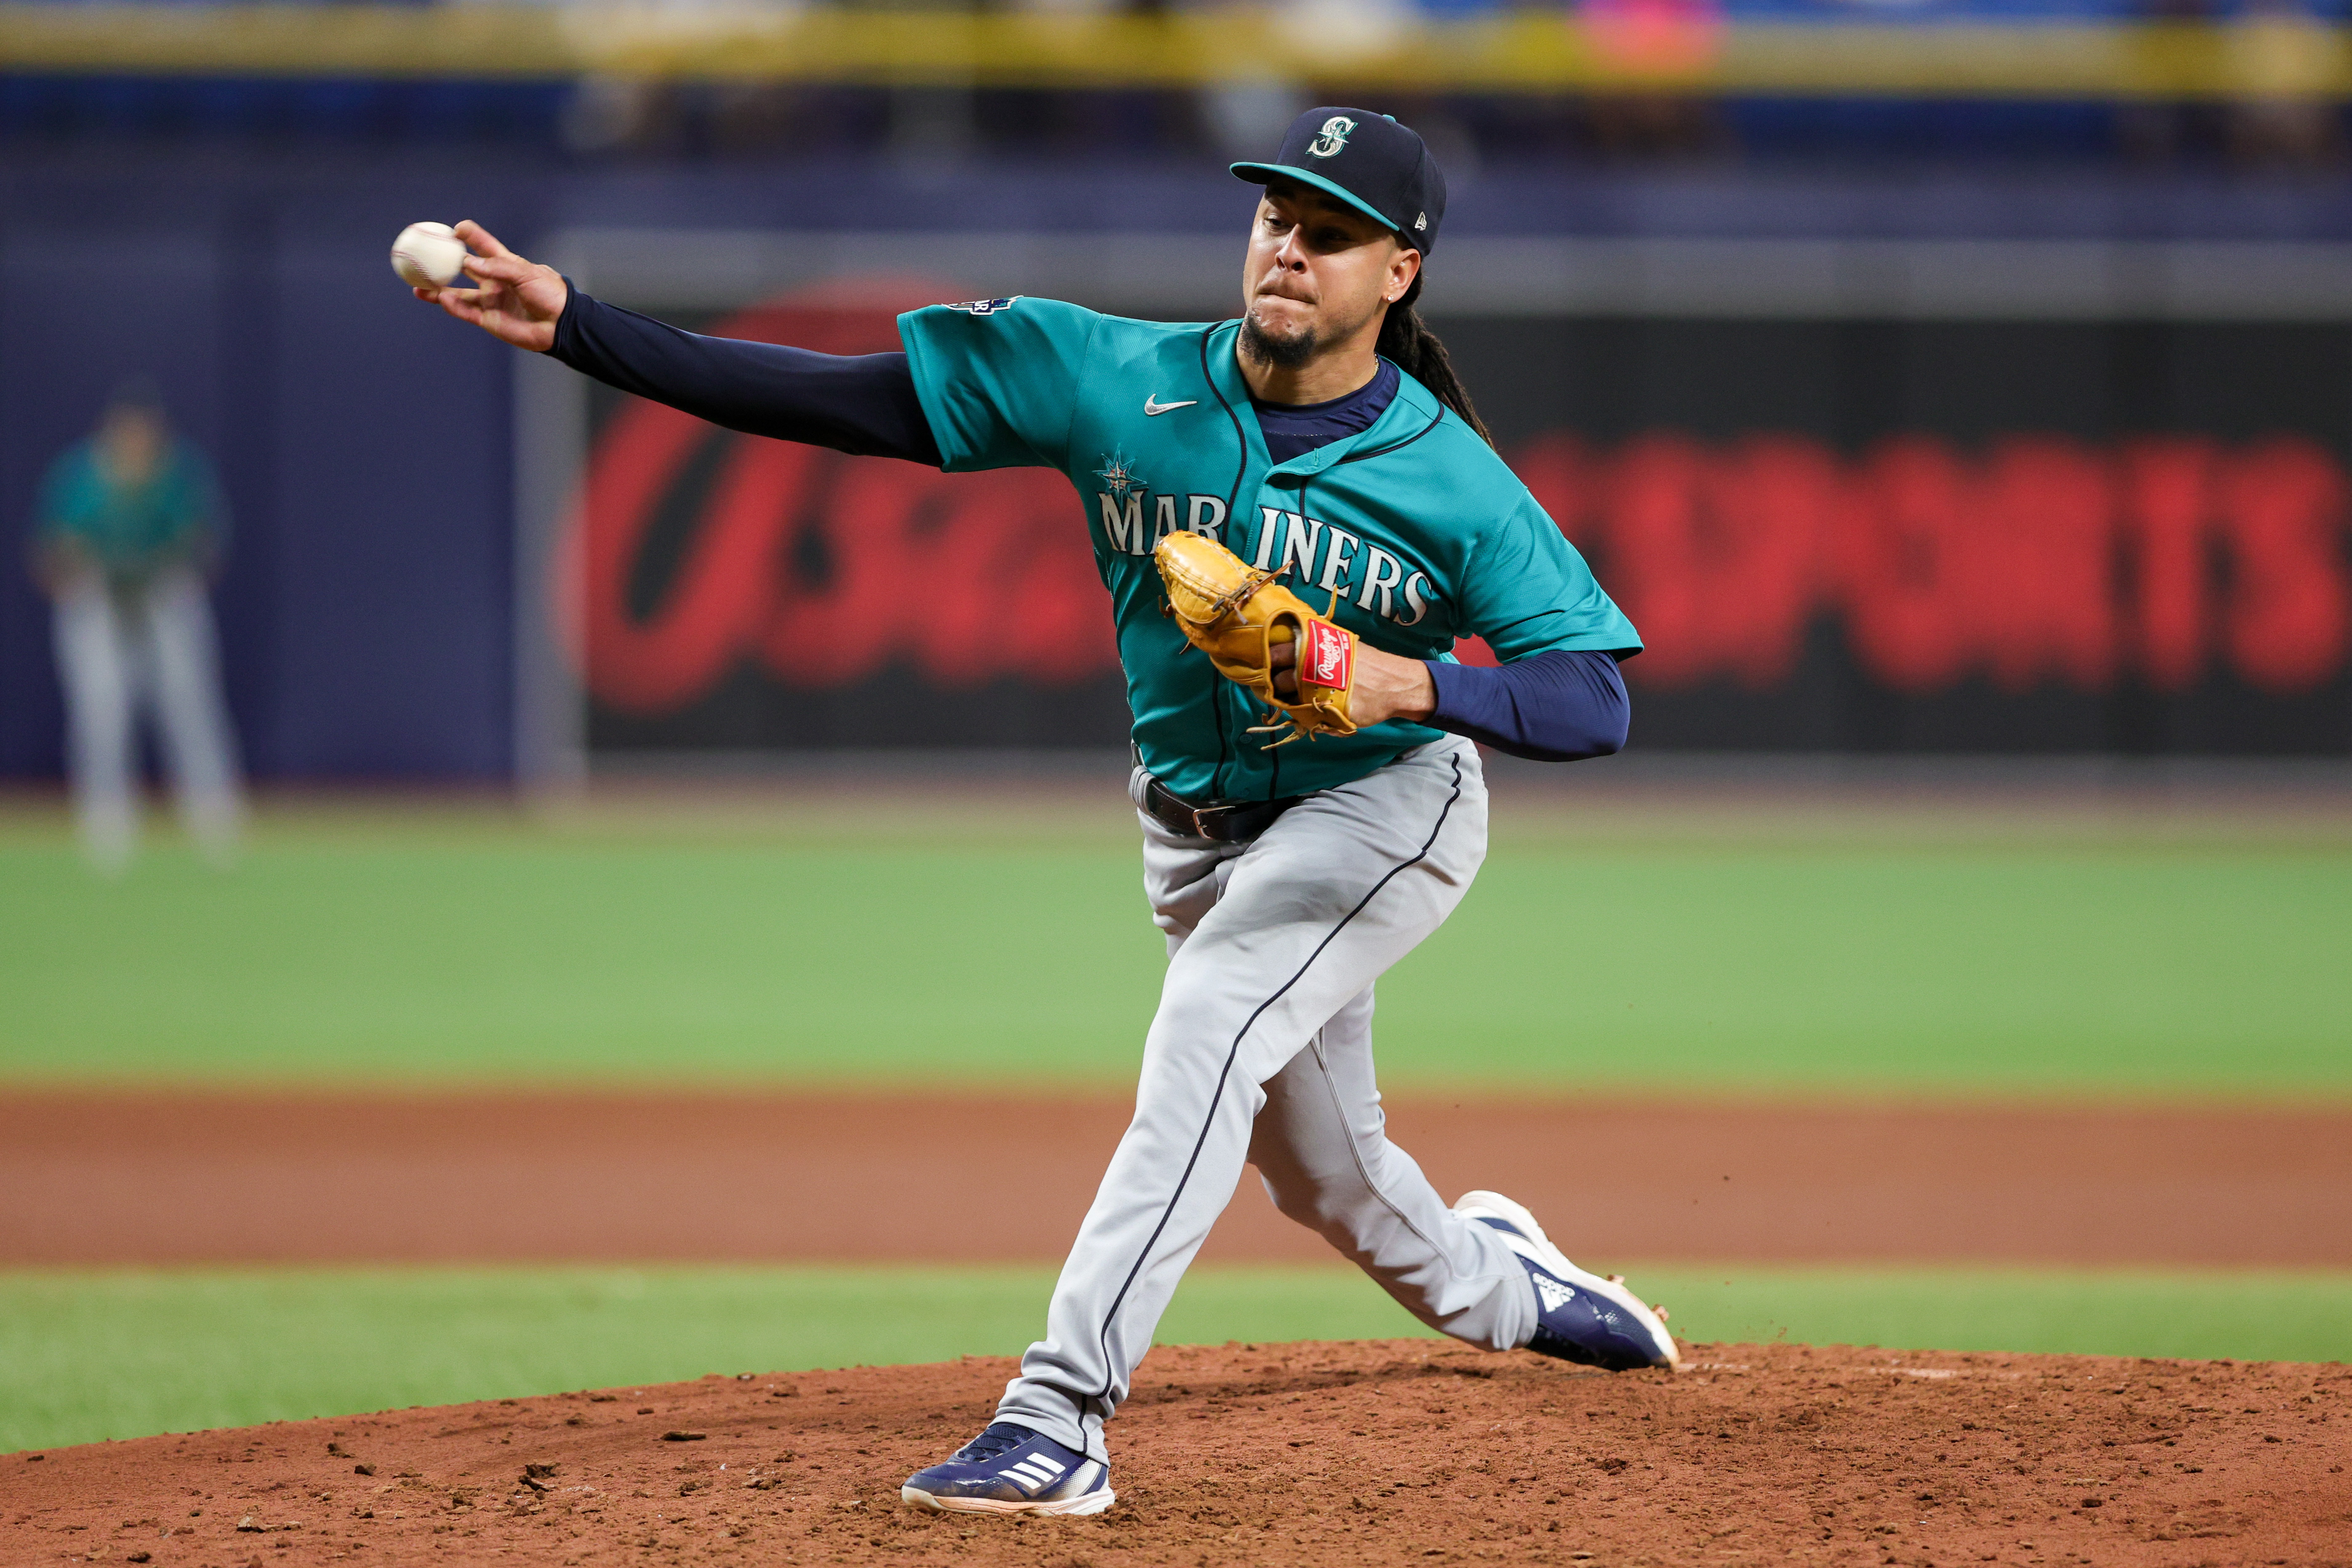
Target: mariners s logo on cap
[
  {"x": 1335, "y": 134},
  {"x": 1377, "y": 166}
]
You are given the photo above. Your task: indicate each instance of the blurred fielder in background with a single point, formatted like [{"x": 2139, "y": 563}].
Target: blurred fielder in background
[{"x": 132, "y": 526}]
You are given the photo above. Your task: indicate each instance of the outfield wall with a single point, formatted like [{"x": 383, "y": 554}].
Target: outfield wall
[{"x": 1877, "y": 535}]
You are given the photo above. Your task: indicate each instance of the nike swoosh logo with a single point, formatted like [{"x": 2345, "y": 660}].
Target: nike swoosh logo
[{"x": 1151, "y": 405}]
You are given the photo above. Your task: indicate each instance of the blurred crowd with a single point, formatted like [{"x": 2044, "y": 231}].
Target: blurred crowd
[{"x": 2286, "y": 50}]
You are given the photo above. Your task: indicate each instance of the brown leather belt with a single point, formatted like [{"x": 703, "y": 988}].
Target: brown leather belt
[{"x": 1221, "y": 821}]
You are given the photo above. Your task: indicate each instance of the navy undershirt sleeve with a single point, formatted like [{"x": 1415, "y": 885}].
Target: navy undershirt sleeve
[
  {"x": 1559, "y": 706},
  {"x": 864, "y": 405}
]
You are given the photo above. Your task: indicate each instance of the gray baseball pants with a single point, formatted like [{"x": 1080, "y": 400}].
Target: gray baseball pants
[
  {"x": 1262, "y": 1053},
  {"x": 151, "y": 646}
]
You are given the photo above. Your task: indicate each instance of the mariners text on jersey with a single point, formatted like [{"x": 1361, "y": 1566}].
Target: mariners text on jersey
[{"x": 1413, "y": 530}]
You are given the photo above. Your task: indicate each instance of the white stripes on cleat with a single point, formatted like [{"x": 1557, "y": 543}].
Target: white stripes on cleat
[{"x": 1531, "y": 1242}]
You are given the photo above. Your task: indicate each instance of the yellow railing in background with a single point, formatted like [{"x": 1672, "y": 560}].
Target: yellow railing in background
[{"x": 1526, "y": 53}]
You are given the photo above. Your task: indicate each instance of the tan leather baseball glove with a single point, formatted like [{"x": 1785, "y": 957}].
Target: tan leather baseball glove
[{"x": 1236, "y": 614}]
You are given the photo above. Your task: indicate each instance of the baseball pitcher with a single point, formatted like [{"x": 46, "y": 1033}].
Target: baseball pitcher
[{"x": 1297, "y": 514}]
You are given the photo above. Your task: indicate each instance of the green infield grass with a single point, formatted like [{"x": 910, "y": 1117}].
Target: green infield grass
[
  {"x": 451, "y": 946},
  {"x": 90, "y": 1355}
]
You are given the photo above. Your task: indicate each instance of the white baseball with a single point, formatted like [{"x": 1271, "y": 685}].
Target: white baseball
[{"x": 429, "y": 255}]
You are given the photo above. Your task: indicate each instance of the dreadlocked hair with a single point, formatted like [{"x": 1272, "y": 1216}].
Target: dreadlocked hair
[{"x": 1407, "y": 340}]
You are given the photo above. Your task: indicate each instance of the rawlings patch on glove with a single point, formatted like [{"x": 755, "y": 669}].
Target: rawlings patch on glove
[{"x": 1237, "y": 615}]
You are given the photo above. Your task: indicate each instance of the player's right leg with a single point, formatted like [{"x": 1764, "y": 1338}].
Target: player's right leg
[
  {"x": 95, "y": 663},
  {"x": 1481, "y": 1270},
  {"x": 1581, "y": 1317},
  {"x": 1321, "y": 1148}
]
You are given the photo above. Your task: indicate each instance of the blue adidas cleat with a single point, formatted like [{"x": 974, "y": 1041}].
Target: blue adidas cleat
[
  {"x": 1011, "y": 1470},
  {"x": 1581, "y": 1317}
]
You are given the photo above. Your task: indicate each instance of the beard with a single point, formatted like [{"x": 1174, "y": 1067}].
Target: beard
[{"x": 1286, "y": 353}]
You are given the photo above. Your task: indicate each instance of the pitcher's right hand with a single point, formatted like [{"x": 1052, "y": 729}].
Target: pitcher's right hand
[{"x": 518, "y": 301}]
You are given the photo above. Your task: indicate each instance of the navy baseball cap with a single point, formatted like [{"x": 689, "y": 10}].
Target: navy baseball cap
[{"x": 1368, "y": 161}]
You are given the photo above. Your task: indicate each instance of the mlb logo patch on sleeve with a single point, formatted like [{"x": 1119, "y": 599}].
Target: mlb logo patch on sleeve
[
  {"x": 986, "y": 307},
  {"x": 1330, "y": 657}
]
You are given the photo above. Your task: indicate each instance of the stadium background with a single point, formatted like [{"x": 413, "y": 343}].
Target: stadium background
[{"x": 1959, "y": 398}]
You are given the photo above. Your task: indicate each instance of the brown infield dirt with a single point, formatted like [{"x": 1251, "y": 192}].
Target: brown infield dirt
[
  {"x": 95, "y": 1177},
  {"x": 1403, "y": 1451},
  {"x": 1380, "y": 1452}
]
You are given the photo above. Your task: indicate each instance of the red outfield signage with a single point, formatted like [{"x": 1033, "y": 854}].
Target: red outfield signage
[
  {"x": 2034, "y": 560},
  {"x": 824, "y": 571},
  {"x": 1917, "y": 565}
]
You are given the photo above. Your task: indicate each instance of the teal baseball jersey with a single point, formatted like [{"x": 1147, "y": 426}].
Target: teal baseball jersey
[
  {"x": 133, "y": 532},
  {"x": 1413, "y": 530}
]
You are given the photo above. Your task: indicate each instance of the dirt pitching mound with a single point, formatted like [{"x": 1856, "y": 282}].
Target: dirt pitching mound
[{"x": 1384, "y": 1452}]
